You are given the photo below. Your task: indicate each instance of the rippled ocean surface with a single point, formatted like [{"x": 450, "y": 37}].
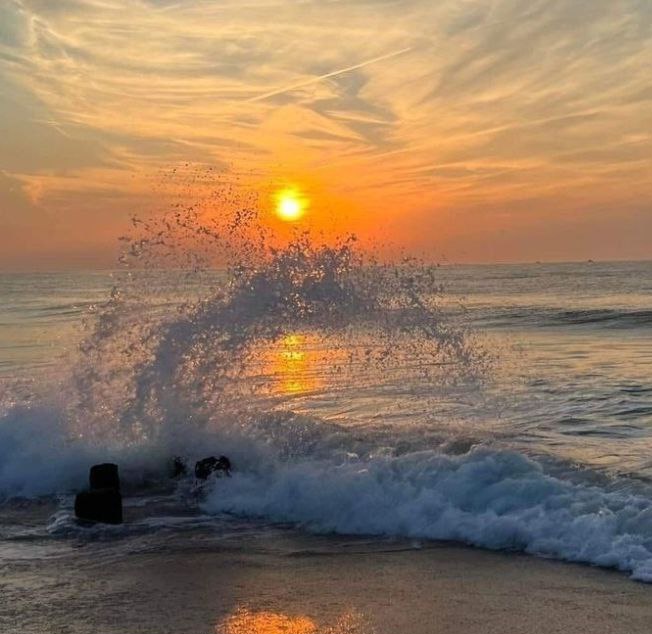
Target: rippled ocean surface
[
  {"x": 546, "y": 447},
  {"x": 573, "y": 343}
]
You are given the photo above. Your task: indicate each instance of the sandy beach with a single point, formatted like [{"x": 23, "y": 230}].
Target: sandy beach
[{"x": 287, "y": 582}]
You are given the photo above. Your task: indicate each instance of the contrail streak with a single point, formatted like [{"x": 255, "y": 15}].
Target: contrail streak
[{"x": 335, "y": 73}]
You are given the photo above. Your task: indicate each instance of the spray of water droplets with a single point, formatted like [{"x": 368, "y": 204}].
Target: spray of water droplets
[{"x": 208, "y": 290}]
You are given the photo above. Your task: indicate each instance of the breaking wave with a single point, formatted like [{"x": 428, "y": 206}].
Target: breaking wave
[
  {"x": 497, "y": 500},
  {"x": 183, "y": 357}
]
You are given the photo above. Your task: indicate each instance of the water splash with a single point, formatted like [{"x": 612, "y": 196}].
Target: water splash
[{"x": 154, "y": 372}]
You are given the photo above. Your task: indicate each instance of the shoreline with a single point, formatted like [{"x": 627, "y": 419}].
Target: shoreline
[{"x": 268, "y": 582}]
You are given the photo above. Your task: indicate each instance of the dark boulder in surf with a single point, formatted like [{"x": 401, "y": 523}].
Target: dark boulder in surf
[
  {"x": 103, "y": 503},
  {"x": 178, "y": 468},
  {"x": 99, "y": 505},
  {"x": 219, "y": 466},
  {"x": 104, "y": 476}
]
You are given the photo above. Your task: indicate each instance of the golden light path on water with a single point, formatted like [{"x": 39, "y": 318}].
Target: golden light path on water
[
  {"x": 246, "y": 621},
  {"x": 296, "y": 366}
]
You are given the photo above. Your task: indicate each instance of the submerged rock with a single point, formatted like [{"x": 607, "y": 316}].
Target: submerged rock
[
  {"x": 99, "y": 505},
  {"x": 104, "y": 476},
  {"x": 179, "y": 467},
  {"x": 204, "y": 468}
]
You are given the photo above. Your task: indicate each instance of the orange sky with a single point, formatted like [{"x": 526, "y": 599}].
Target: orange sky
[{"x": 467, "y": 130}]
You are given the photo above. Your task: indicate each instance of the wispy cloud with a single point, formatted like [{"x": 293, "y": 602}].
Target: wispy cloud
[
  {"x": 436, "y": 107},
  {"x": 335, "y": 73}
]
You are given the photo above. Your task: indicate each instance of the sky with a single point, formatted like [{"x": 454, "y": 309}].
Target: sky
[{"x": 465, "y": 130}]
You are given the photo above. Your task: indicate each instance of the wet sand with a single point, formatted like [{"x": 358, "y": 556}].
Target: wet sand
[{"x": 296, "y": 584}]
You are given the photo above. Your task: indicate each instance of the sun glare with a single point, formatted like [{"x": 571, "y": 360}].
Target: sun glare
[{"x": 290, "y": 205}]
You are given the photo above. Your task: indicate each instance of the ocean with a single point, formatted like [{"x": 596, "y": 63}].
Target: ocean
[{"x": 364, "y": 408}]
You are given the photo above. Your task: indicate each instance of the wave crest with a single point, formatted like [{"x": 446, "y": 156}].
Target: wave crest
[{"x": 496, "y": 500}]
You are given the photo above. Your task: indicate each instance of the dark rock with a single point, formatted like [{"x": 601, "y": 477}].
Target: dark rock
[
  {"x": 103, "y": 503},
  {"x": 179, "y": 467},
  {"x": 99, "y": 505},
  {"x": 104, "y": 476},
  {"x": 204, "y": 468},
  {"x": 224, "y": 464}
]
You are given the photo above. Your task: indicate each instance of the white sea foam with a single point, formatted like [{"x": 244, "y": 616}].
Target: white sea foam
[
  {"x": 497, "y": 500},
  {"x": 36, "y": 457}
]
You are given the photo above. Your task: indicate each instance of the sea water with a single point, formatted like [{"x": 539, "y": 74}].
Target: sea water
[{"x": 503, "y": 406}]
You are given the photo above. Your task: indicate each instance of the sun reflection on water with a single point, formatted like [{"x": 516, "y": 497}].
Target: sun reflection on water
[
  {"x": 293, "y": 363},
  {"x": 246, "y": 621}
]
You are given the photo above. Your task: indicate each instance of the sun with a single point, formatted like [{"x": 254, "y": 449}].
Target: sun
[{"x": 290, "y": 205}]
